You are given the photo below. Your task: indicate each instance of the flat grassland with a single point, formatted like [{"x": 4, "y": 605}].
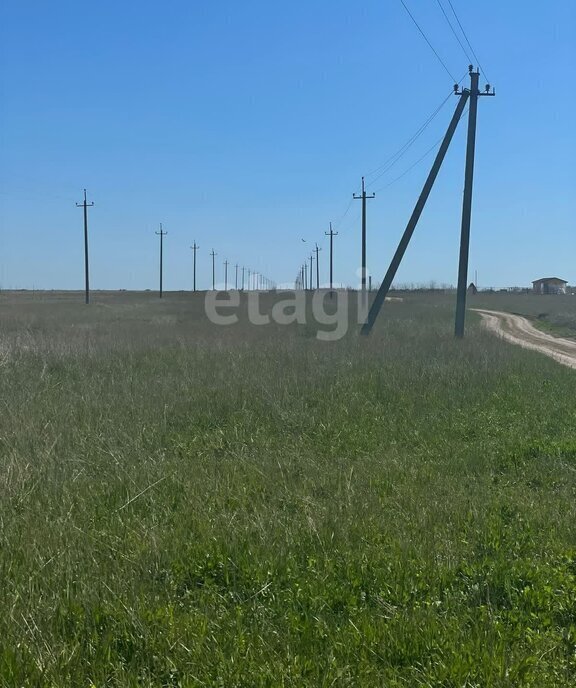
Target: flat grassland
[{"x": 183, "y": 504}]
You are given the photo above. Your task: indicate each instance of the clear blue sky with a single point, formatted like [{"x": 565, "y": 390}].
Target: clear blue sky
[{"x": 247, "y": 126}]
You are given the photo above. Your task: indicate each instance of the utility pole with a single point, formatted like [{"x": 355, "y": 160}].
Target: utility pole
[
  {"x": 86, "y": 205},
  {"x": 226, "y": 275},
  {"x": 195, "y": 247},
  {"x": 236, "y": 280},
  {"x": 317, "y": 267},
  {"x": 249, "y": 274},
  {"x": 467, "y": 203},
  {"x": 213, "y": 270},
  {"x": 363, "y": 197},
  {"x": 306, "y": 275},
  {"x": 331, "y": 234},
  {"x": 161, "y": 234},
  {"x": 464, "y": 94},
  {"x": 243, "y": 271},
  {"x": 311, "y": 261}
]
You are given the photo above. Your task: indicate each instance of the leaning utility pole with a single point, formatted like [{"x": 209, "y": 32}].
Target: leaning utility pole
[
  {"x": 161, "y": 234},
  {"x": 86, "y": 205},
  {"x": 226, "y": 275},
  {"x": 195, "y": 247},
  {"x": 363, "y": 197},
  {"x": 213, "y": 270},
  {"x": 467, "y": 203},
  {"x": 331, "y": 234},
  {"x": 380, "y": 297},
  {"x": 317, "y": 267}
]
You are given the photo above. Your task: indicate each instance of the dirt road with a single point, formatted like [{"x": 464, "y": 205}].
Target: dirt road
[{"x": 519, "y": 330}]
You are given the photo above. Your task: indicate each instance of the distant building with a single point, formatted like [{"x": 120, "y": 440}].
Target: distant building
[
  {"x": 549, "y": 285},
  {"x": 472, "y": 288}
]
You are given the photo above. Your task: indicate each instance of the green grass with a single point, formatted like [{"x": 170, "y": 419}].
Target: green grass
[{"x": 188, "y": 505}]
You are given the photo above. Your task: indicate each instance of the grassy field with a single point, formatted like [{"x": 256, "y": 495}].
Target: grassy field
[{"x": 189, "y": 505}]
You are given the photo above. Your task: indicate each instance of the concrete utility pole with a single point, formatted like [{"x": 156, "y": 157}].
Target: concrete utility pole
[
  {"x": 311, "y": 273},
  {"x": 306, "y": 275},
  {"x": 363, "y": 197},
  {"x": 416, "y": 213},
  {"x": 213, "y": 270},
  {"x": 317, "y": 267},
  {"x": 249, "y": 275},
  {"x": 226, "y": 275},
  {"x": 195, "y": 247},
  {"x": 236, "y": 279},
  {"x": 467, "y": 203},
  {"x": 243, "y": 271},
  {"x": 331, "y": 234},
  {"x": 86, "y": 205},
  {"x": 161, "y": 234}
]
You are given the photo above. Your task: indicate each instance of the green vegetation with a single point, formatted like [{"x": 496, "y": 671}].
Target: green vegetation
[{"x": 190, "y": 505}]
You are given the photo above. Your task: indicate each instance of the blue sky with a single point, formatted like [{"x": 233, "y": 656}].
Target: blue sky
[{"x": 247, "y": 126}]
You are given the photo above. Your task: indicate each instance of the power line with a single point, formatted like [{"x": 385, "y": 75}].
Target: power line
[
  {"x": 466, "y": 37},
  {"x": 341, "y": 219},
  {"x": 427, "y": 41},
  {"x": 393, "y": 159},
  {"x": 456, "y": 36},
  {"x": 426, "y": 154}
]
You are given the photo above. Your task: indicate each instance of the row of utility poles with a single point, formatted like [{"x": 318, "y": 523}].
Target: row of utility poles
[
  {"x": 245, "y": 278},
  {"x": 304, "y": 279}
]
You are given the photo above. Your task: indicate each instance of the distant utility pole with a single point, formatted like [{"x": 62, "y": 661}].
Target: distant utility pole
[
  {"x": 363, "y": 197},
  {"x": 213, "y": 270},
  {"x": 243, "y": 271},
  {"x": 249, "y": 274},
  {"x": 317, "y": 267},
  {"x": 161, "y": 234},
  {"x": 306, "y": 275},
  {"x": 226, "y": 275},
  {"x": 331, "y": 234},
  {"x": 195, "y": 247},
  {"x": 86, "y": 205},
  {"x": 236, "y": 279},
  {"x": 311, "y": 273},
  {"x": 467, "y": 204}
]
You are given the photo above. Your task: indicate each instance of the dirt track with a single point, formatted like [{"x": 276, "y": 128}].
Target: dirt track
[{"x": 519, "y": 330}]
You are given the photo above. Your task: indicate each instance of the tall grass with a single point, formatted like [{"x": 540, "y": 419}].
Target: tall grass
[{"x": 188, "y": 505}]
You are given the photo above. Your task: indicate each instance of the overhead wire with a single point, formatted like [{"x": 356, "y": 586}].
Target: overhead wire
[
  {"x": 427, "y": 41},
  {"x": 466, "y": 38},
  {"x": 456, "y": 36},
  {"x": 426, "y": 154},
  {"x": 393, "y": 159}
]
